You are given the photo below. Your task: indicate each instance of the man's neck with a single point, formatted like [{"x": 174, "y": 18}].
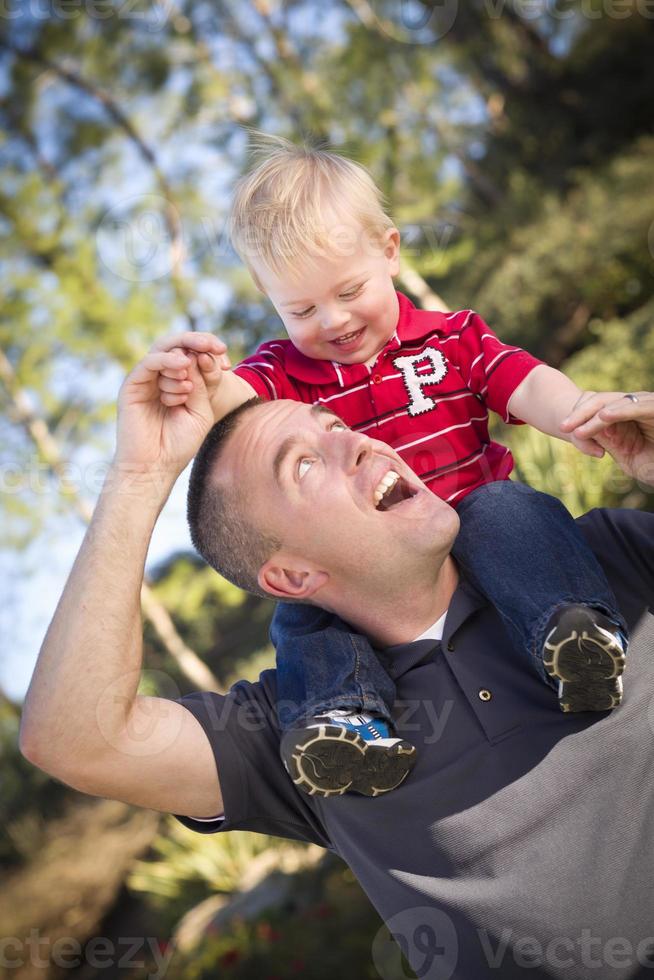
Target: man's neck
[{"x": 400, "y": 617}]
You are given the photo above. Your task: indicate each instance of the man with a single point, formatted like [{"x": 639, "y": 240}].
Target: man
[{"x": 521, "y": 843}]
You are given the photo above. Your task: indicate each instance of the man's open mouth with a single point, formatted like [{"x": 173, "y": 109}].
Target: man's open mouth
[{"x": 392, "y": 490}]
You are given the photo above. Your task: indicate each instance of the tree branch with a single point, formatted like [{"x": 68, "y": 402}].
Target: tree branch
[{"x": 413, "y": 282}]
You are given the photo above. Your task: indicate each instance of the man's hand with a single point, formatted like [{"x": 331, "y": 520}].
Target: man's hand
[
  {"x": 625, "y": 428},
  {"x": 213, "y": 361},
  {"x": 153, "y": 439}
]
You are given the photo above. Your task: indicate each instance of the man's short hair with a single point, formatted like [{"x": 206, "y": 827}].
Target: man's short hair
[
  {"x": 220, "y": 530},
  {"x": 278, "y": 215}
]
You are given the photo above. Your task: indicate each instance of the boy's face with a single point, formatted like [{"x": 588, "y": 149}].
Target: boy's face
[{"x": 343, "y": 308}]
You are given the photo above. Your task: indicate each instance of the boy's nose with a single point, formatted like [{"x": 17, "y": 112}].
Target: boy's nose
[{"x": 332, "y": 320}]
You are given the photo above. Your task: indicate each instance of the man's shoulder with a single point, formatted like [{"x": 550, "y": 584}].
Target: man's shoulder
[
  {"x": 627, "y": 531},
  {"x": 623, "y": 541}
]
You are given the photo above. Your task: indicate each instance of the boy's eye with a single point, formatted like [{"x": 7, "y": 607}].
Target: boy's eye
[
  {"x": 303, "y": 313},
  {"x": 351, "y": 293}
]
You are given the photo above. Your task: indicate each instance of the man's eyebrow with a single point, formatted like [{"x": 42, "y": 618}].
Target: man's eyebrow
[
  {"x": 307, "y": 302},
  {"x": 320, "y": 409},
  {"x": 291, "y": 441}
]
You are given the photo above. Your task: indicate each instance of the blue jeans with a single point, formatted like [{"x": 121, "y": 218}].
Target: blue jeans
[{"x": 519, "y": 547}]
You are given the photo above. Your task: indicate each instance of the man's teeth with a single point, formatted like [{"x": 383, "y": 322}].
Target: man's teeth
[{"x": 385, "y": 484}]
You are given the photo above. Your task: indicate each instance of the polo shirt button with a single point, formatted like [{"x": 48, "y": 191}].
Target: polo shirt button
[
  {"x": 376, "y": 378},
  {"x": 485, "y": 694},
  {"x": 450, "y": 645}
]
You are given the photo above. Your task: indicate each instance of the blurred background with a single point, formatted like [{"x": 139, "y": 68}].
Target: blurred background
[{"x": 515, "y": 144}]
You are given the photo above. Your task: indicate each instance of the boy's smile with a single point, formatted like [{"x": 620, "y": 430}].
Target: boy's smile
[{"x": 342, "y": 307}]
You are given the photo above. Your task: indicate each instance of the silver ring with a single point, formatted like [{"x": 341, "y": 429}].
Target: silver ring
[{"x": 632, "y": 398}]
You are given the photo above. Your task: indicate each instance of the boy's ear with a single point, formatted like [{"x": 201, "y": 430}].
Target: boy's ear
[
  {"x": 392, "y": 249},
  {"x": 285, "y": 580}
]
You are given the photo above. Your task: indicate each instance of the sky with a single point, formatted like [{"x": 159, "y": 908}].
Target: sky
[{"x": 31, "y": 583}]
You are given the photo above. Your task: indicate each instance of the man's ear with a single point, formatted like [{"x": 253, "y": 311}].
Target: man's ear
[
  {"x": 392, "y": 249},
  {"x": 285, "y": 580}
]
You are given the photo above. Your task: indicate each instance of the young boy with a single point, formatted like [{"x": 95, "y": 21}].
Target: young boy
[{"x": 311, "y": 227}]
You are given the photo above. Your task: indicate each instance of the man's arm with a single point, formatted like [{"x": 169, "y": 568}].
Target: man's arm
[{"x": 83, "y": 720}]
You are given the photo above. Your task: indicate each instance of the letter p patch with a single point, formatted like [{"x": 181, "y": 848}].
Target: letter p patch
[{"x": 414, "y": 382}]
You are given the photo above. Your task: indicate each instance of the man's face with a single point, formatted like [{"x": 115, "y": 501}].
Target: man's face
[
  {"x": 316, "y": 486},
  {"x": 345, "y": 309}
]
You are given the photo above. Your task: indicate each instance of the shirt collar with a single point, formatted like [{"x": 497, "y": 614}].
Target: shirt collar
[
  {"x": 315, "y": 372},
  {"x": 402, "y": 657}
]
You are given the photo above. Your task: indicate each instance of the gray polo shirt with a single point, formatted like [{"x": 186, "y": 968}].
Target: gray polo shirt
[{"x": 522, "y": 844}]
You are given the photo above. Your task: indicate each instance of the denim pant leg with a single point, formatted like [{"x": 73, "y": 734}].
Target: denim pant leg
[
  {"x": 523, "y": 550},
  {"x": 322, "y": 665}
]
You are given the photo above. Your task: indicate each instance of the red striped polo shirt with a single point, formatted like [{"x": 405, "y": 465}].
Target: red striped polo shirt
[{"x": 427, "y": 394}]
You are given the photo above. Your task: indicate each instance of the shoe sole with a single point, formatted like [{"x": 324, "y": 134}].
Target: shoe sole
[
  {"x": 330, "y": 760},
  {"x": 587, "y": 666}
]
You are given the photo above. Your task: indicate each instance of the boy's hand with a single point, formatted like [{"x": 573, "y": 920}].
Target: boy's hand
[
  {"x": 212, "y": 359},
  {"x": 584, "y": 409}
]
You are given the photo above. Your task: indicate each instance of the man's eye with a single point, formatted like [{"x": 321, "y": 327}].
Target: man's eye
[
  {"x": 341, "y": 426},
  {"x": 304, "y": 465}
]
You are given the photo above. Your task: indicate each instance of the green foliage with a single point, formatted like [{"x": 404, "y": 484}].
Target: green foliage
[
  {"x": 326, "y": 929},
  {"x": 556, "y": 467},
  {"x": 218, "y": 862},
  {"x": 28, "y": 799},
  {"x": 224, "y": 625},
  {"x": 579, "y": 251}
]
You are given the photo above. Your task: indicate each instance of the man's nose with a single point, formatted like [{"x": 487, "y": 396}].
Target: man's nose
[{"x": 355, "y": 447}]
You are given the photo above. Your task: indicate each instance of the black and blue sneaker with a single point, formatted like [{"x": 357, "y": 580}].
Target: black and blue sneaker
[
  {"x": 585, "y": 653},
  {"x": 340, "y": 752}
]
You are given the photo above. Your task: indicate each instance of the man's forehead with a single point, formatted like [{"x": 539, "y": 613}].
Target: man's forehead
[
  {"x": 263, "y": 430},
  {"x": 278, "y": 413}
]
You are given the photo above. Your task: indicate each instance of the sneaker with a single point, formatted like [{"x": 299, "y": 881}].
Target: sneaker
[
  {"x": 585, "y": 653},
  {"x": 340, "y": 752}
]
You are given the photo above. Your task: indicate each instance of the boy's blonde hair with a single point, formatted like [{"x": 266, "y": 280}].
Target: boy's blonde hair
[{"x": 300, "y": 204}]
